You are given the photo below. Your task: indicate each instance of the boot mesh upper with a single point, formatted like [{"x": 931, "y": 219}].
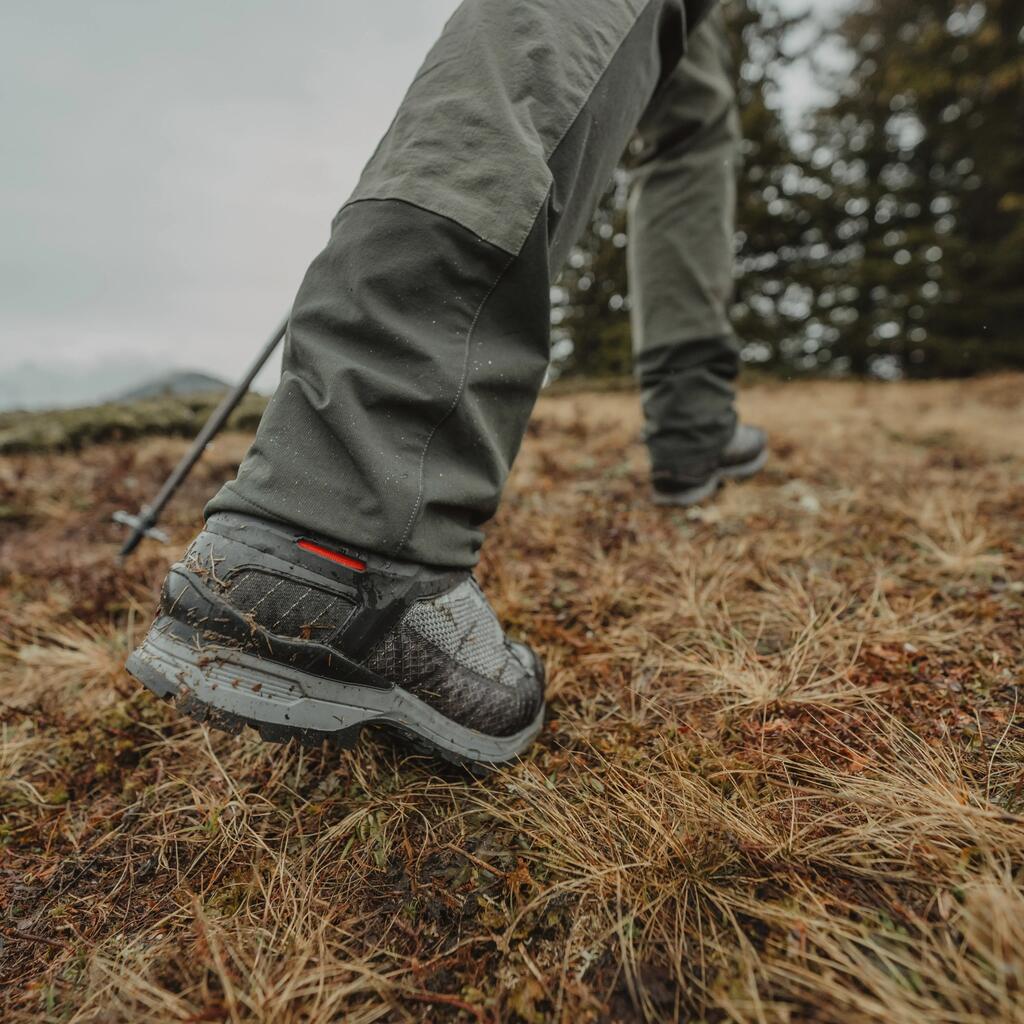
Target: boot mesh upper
[
  {"x": 462, "y": 625},
  {"x": 450, "y": 650},
  {"x": 287, "y": 607}
]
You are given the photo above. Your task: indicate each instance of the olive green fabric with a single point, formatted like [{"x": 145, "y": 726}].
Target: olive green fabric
[
  {"x": 474, "y": 136},
  {"x": 419, "y": 338},
  {"x": 681, "y": 227}
]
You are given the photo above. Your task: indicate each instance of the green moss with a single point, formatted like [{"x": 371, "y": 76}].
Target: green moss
[{"x": 61, "y": 430}]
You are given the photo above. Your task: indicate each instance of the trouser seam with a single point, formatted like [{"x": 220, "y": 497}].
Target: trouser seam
[
  {"x": 434, "y": 211},
  {"x": 597, "y": 81},
  {"x": 379, "y": 195},
  {"x": 583, "y": 106},
  {"x": 418, "y": 504}
]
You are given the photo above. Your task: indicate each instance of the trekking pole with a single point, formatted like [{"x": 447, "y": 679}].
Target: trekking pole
[{"x": 144, "y": 524}]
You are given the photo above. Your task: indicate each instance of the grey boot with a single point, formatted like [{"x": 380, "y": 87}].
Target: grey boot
[
  {"x": 266, "y": 625},
  {"x": 744, "y": 455}
]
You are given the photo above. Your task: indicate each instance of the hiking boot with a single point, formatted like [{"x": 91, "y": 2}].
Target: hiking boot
[
  {"x": 744, "y": 455},
  {"x": 265, "y": 625}
]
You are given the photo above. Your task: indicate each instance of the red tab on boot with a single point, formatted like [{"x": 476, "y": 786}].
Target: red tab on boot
[{"x": 333, "y": 556}]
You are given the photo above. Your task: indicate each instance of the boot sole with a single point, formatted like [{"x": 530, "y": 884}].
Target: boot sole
[
  {"x": 743, "y": 470},
  {"x": 229, "y": 689},
  {"x": 695, "y": 495}
]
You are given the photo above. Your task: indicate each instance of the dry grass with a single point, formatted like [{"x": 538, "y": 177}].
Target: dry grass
[{"x": 782, "y": 778}]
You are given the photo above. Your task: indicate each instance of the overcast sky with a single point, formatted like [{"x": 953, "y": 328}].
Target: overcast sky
[{"x": 168, "y": 169}]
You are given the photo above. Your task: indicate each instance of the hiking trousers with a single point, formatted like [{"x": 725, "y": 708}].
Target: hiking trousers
[{"x": 419, "y": 338}]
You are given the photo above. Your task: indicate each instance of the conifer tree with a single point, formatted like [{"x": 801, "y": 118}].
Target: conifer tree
[
  {"x": 888, "y": 237},
  {"x": 925, "y": 150}
]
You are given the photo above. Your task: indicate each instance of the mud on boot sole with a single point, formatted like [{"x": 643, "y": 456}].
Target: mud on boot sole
[{"x": 229, "y": 689}]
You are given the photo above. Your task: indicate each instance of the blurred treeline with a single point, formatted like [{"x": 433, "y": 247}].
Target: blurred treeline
[{"x": 882, "y": 231}]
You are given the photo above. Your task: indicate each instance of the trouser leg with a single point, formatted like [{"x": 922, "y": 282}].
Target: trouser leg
[
  {"x": 682, "y": 219},
  {"x": 419, "y": 337}
]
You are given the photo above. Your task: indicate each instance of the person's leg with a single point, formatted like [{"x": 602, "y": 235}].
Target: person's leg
[
  {"x": 419, "y": 338},
  {"x": 330, "y": 588},
  {"x": 682, "y": 217}
]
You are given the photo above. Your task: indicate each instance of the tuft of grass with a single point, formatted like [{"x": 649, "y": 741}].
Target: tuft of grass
[{"x": 782, "y": 778}]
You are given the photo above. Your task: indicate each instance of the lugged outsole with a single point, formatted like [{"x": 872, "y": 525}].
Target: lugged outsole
[
  {"x": 691, "y": 496},
  {"x": 228, "y": 721},
  {"x": 176, "y": 671},
  {"x": 695, "y": 495},
  {"x": 746, "y": 469}
]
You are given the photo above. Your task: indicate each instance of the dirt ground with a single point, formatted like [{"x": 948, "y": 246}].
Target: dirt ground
[{"x": 781, "y": 779}]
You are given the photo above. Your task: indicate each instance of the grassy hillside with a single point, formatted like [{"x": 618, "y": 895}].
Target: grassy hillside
[
  {"x": 73, "y": 429},
  {"x": 782, "y": 778}
]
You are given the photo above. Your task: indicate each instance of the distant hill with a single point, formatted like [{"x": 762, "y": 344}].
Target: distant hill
[
  {"x": 179, "y": 382},
  {"x": 59, "y": 384},
  {"x": 31, "y": 385}
]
